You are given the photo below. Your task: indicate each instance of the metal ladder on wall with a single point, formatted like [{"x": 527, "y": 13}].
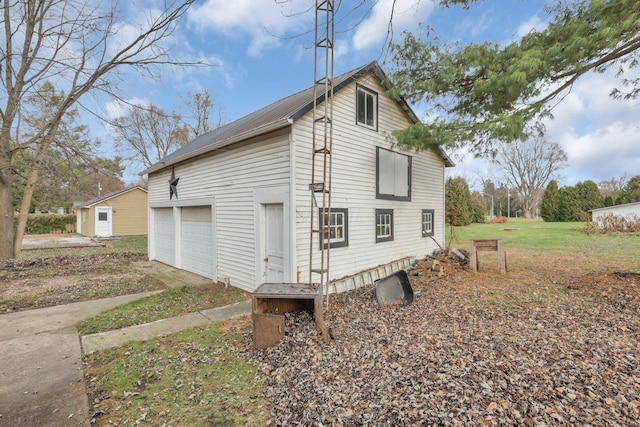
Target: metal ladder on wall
[{"x": 322, "y": 142}]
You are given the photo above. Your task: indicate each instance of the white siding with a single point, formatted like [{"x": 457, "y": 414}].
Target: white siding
[
  {"x": 230, "y": 178},
  {"x": 628, "y": 211},
  {"x": 354, "y": 188},
  {"x": 237, "y": 179}
]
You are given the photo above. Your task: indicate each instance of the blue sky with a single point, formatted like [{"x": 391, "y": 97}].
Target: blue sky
[{"x": 263, "y": 51}]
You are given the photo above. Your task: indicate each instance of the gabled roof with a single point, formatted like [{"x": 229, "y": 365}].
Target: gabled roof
[
  {"x": 111, "y": 195},
  {"x": 280, "y": 114}
]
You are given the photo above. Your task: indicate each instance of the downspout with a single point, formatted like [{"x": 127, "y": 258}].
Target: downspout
[{"x": 294, "y": 271}]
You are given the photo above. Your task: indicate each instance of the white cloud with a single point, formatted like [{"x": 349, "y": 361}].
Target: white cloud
[
  {"x": 611, "y": 151},
  {"x": 533, "y": 24},
  {"x": 601, "y": 135},
  {"x": 265, "y": 22},
  {"x": 371, "y": 32},
  {"x": 118, "y": 108}
]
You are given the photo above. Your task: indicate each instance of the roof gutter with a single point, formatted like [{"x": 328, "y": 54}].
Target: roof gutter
[{"x": 269, "y": 127}]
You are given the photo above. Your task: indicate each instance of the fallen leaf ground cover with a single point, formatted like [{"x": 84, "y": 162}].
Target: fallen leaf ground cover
[
  {"x": 30, "y": 283},
  {"x": 473, "y": 349},
  {"x": 549, "y": 343}
]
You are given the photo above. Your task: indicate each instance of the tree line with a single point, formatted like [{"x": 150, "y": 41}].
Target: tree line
[
  {"x": 574, "y": 203},
  {"x": 564, "y": 204}
]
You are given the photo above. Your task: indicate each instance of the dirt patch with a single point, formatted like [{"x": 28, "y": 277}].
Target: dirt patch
[
  {"x": 35, "y": 283},
  {"x": 617, "y": 282}
]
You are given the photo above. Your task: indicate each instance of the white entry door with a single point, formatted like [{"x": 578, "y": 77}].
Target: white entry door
[
  {"x": 274, "y": 243},
  {"x": 103, "y": 221}
]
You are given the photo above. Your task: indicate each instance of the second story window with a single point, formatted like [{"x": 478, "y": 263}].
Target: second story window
[
  {"x": 393, "y": 175},
  {"x": 366, "y": 107}
]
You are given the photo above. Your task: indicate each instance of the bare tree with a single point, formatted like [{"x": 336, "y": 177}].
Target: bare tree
[
  {"x": 529, "y": 165},
  {"x": 199, "y": 107},
  {"x": 80, "y": 46},
  {"x": 612, "y": 187},
  {"x": 146, "y": 134}
]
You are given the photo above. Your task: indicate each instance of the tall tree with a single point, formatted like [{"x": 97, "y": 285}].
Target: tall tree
[
  {"x": 588, "y": 197},
  {"x": 70, "y": 163},
  {"x": 146, "y": 134},
  {"x": 529, "y": 165},
  {"x": 482, "y": 93},
  {"x": 80, "y": 44},
  {"x": 568, "y": 209},
  {"x": 630, "y": 192},
  {"x": 478, "y": 208},
  {"x": 612, "y": 187},
  {"x": 458, "y": 209},
  {"x": 199, "y": 107},
  {"x": 550, "y": 205}
]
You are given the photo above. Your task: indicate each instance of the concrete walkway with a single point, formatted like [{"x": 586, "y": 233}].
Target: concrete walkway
[{"x": 41, "y": 379}]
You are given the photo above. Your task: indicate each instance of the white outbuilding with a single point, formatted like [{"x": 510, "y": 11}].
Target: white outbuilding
[
  {"x": 234, "y": 204},
  {"x": 620, "y": 214}
]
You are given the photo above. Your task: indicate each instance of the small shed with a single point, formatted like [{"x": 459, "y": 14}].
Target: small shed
[
  {"x": 119, "y": 213},
  {"x": 621, "y": 214}
]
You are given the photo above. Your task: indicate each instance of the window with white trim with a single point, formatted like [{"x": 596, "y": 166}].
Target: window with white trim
[
  {"x": 366, "y": 107},
  {"x": 384, "y": 225},
  {"x": 393, "y": 175},
  {"x": 337, "y": 224},
  {"x": 427, "y": 222}
]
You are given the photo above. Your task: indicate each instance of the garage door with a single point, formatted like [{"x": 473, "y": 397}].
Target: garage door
[
  {"x": 197, "y": 240},
  {"x": 164, "y": 235}
]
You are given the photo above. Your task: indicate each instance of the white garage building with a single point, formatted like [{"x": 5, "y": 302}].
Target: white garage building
[{"x": 238, "y": 210}]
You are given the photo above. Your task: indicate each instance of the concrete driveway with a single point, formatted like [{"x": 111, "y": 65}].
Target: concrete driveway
[
  {"x": 40, "y": 241},
  {"x": 41, "y": 379}
]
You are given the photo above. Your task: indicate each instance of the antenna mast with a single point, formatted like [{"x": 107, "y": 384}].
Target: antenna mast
[{"x": 322, "y": 136}]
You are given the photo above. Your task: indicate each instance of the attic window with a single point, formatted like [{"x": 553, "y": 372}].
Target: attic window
[
  {"x": 393, "y": 175},
  {"x": 366, "y": 107}
]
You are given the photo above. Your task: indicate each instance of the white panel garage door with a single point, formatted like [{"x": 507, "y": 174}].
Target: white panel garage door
[
  {"x": 197, "y": 240},
  {"x": 164, "y": 235}
]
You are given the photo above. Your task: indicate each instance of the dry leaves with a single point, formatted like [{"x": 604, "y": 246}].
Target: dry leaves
[{"x": 464, "y": 353}]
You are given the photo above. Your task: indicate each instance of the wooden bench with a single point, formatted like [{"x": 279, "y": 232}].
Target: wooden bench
[{"x": 494, "y": 245}]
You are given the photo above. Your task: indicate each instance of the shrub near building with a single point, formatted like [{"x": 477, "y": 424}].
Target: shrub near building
[
  {"x": 462, "y": 207},
  {"x": 50, "y": 224},
  {"x": 568, "y": 204}
]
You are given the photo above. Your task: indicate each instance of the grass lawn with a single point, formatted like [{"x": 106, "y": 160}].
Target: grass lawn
[
  {"x": 168, "y": 303},
  {"x": 192, "y": 378},
  {"x": 565, "y": 239}
]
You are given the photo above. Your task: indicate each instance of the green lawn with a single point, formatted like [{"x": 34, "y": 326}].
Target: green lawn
[
  {"x": 561, "y": 237},
  {"x": 168, "y": 303}
]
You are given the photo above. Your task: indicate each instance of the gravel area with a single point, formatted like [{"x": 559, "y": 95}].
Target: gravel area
[{"x": 473, "y": 349}]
